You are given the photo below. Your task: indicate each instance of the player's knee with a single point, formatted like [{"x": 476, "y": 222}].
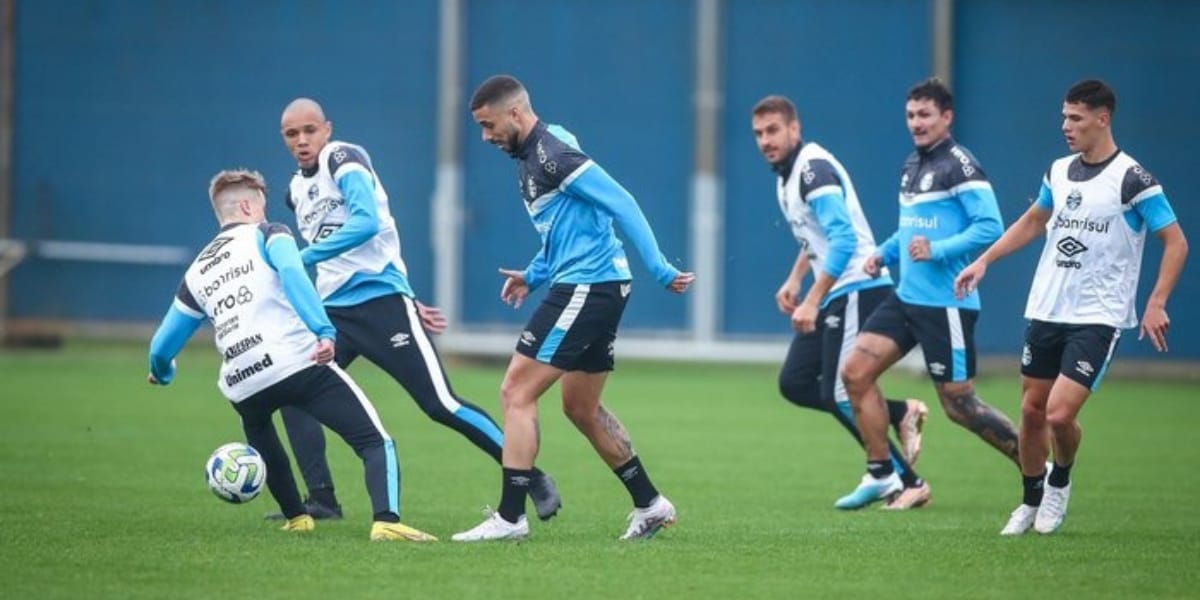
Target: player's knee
[
  {"x": 579, "y": 412},
  {"x": 1060, "y": 420},
  {"x": 1032, "y": 412},
  {"x": 958, "y": 400},
  {"x": 857, "y": 376},
  {"x": 513, "y": 397}
]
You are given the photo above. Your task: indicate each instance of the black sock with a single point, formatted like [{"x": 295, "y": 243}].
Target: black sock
[
  {"x": 537, "y": 473},
  {"x": 880, "y": 468},
  {"x": 911, "y": 479},
  {"x": 387, "y": 517},
  {"x": 634, "y": 476},
  {"x": 512, "y": 498},
  {"x": 323, "y": 496},
  {"x": 1033, "y": 489},
  {"x": 896, "y": 410},
  {"x": 1060, "y": 476}
]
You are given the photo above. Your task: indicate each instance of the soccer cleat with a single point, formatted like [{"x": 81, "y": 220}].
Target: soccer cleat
[
  {"x": 909, "y": 498},
  {"x": 644, "y": 523},
  {"x": 1021, "y": 520},
  {"x": 544, "y": 494},
  {"x": 495, "y": 528},
  {"x": 300, "y": 523},
  {"x": 909, "y": 429},
  {"x": 869, "y": 490},
  {"x": 1053, "y": 511},
  {"x": 316, "y": 509},
  {"x": 382, "y": 531}
]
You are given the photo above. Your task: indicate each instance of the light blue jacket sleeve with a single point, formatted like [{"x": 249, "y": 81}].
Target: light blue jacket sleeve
[
  {"x": 834, "y": 218},
  {"x": 890, "y": 249},
  {"x": 537, "y": 272},
  {"x": 596, "y": 185},
  {"x": 1045, "y": 199},
  {"x": 358, "y": 190},
  {"x": 986, "y": 227},
  {"x": 282, "y": 255},
  {"x": 173, "y": 332}
]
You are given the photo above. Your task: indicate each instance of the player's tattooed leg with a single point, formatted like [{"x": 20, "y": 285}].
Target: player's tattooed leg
[
  {"x": 616, "y": 432},
  {"x": 966, "y": 409}
]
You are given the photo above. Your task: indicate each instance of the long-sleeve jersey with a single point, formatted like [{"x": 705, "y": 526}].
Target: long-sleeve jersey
[
  {"x": 266, "y": 316},
  {"x": 1089, "y": 267},
  {"x": 342, "y": 211},
  {"x": 818, "y": 200},
  {"x": 945, "y": 197},
  {"x": 573, "y": 204}
]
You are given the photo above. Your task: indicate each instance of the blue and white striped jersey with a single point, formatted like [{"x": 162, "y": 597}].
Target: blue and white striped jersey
[
  {"x": 818, "y": 200},
  {"x": 945, "y": 197},
  {"x": 573, "y": 203}
]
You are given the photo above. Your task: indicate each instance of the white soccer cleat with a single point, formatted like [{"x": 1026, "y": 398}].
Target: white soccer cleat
[
  {"x": 1053, "y": 510},
  {"x": 495, "y": 528},
  {"x": 870, "y": 490},
  {"x": 1021, "y": 520},
  {"x": 644, "y": 523}
]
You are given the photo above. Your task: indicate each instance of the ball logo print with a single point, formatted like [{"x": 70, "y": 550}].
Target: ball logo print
[{"x": 235, "y": 473}]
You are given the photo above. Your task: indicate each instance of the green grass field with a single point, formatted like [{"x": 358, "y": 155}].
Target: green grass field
[{"x": 102, "y": 496}]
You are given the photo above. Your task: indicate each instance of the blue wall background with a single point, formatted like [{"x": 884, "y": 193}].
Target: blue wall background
[{"x": 124, "y": 110}]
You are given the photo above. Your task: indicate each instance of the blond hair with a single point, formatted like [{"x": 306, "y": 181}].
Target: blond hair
[{"x": 230, "y": 186}]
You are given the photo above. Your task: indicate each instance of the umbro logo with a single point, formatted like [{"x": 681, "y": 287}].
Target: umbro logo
[
  {"x": 528, "y": 338},
  {"x": 833, "y": 321},
  {"x": 625, "y": 288},
  {"x": 400, "y": 340},
  {"x": 1026, "y": 356},
  {"x": 520, "y": 480},
  {"x": 1070, "y": 246},
  {"x": 1084, "y": 368},
  {"x": 213, "y": 248},
  {"x": 936, "y": 368}
]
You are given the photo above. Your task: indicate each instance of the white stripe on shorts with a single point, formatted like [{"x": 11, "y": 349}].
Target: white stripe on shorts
[
  {"x": 956, "y": 333},
  {"x": 849, "y": 335},
  {"x": 571, "y": 312}
]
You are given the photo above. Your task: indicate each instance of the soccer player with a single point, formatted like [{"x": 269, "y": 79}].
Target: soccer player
[
  {"x": 277, "y": 344},
  {"x": 818, "y": 200},
  {"x": 573, "y": 203},
  {"x": 948, "y": 213},
  {"x": 1095, "y": 207},
  {"x": 342, "y": 211}
]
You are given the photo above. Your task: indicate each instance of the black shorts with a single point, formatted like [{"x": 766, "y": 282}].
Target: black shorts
[
  {"x": 946, "y": 335},
  {"x": 575, "y": 326},
  {"x": 817, "y": 357},
  {"x": 1080, "y": 353}
]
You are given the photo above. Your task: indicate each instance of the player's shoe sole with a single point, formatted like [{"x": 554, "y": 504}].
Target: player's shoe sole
[{"x": 911, "y": 429}]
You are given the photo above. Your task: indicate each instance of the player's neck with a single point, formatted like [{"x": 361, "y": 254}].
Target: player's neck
[{"x": 1101, "y": 152}]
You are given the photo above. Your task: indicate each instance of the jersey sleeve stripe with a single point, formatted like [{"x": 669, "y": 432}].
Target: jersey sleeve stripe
[
  {"x": 821, "y": 191},
  {"x": 569, "y": 179},
  {"x": 182, "y": 307},
  {"x": 1146, "y": 193},
  {"x": 967, "y": 186}
]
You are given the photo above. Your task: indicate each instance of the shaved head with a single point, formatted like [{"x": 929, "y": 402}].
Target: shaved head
[
  {"x": 305, "y": 130},
  {"x": 303, "y": 106}
]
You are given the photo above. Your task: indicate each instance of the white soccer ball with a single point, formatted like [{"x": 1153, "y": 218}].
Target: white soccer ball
[{"x": 235, "y": 473}]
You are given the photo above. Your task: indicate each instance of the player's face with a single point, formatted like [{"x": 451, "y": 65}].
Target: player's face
[
  {"x": 1082, "y": 126},
  {"x": 775, "y": 136},
  {"x": 305, "y": 133},
  {"x": 498, "y": 126},
  {"x": 927, "y": 123}
]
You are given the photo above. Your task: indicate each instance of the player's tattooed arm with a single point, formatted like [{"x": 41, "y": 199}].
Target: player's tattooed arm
[
  {"x": 617, "y": 433},
  {"x": 966, "y": 409}
]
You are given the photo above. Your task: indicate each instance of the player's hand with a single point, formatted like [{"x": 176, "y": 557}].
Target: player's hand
[
  {"x": 804, "y": 318},
  {"x": 324, "y": 352},
  {"x": 785, "y": 298},
  {"x": 872, "y": 265},
  {"x": 918, "y": 248},
  {"x": 152, "y": 380},
  {"x": 1154, "y": 324},
  {"x": 515, "y": 289},
  {"x": 681, "y": 282},
  {"x": 432, "y": 318},
  {"x": 968, "y": 279}
]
